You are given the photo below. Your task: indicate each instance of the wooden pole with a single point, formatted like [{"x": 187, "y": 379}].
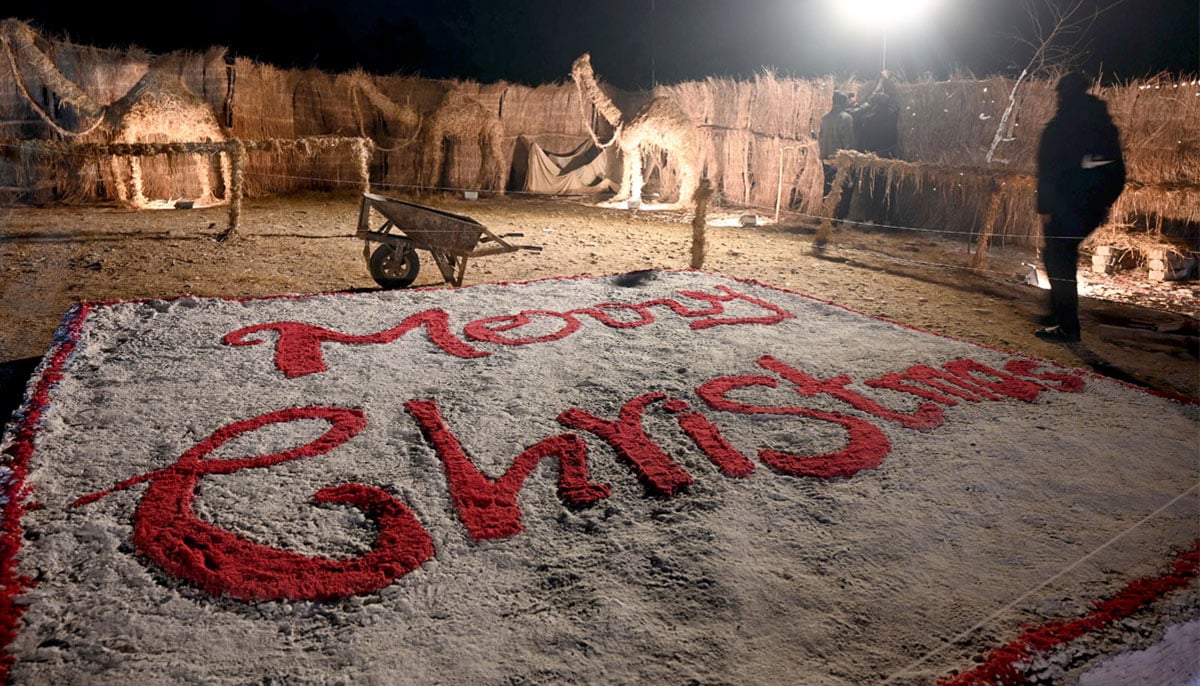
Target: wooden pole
[
  {"x": 989, "y": 227},
  {"x": 237, "y": 160},
  {"x": 703, "y": 194}
]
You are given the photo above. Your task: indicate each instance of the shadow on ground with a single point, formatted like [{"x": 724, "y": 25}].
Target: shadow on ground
[{"x": 14, "y": 377}]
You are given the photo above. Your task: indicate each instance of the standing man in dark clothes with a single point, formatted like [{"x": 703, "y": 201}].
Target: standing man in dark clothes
[
  {"x": 837, "y": 128},
  {"x": 881, "y": 126},
  {"x": 877, "y": 121},
  {"x": 1081, "y": 172},
  {"x": 837, "y": 133}
]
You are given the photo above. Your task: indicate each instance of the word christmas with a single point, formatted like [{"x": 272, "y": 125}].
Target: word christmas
[{"x": 168, "y": 531}]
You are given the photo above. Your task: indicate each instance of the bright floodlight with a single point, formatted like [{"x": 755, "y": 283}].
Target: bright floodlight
[{"x": 881, "y": 14}]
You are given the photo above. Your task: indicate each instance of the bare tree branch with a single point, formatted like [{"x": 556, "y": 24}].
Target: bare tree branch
[{"x": 1058, "y": 35}]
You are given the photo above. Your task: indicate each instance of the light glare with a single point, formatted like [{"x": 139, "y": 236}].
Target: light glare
[{"x": 881, "y": 14}]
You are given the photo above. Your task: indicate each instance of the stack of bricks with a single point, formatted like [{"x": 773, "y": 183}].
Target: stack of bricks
[
  {"x": 1166, "y": 265},
  {"x": 1104, "y": 260}
]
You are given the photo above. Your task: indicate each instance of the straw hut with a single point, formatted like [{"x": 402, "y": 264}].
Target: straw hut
[{"x": 159, "y": 109}]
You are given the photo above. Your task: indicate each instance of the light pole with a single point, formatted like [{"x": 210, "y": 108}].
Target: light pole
[{"x": 883, "y": 52}]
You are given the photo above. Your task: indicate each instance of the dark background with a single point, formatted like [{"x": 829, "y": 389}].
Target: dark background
[{"x": 634, "y": 43}]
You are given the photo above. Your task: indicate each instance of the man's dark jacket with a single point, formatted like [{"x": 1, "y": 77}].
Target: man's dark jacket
[{"x": 1081, "y": 170}]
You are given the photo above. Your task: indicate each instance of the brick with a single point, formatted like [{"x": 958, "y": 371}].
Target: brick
[{"x": 1101, "y": 265}]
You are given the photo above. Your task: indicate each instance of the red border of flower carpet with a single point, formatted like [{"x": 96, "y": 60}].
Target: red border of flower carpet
[
  {"x": 1000, "y": 665},
  {"x": 13, "y": 584}
]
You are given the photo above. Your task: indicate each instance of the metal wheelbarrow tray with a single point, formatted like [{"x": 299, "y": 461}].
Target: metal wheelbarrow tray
[{"x": 450, "y": 238}]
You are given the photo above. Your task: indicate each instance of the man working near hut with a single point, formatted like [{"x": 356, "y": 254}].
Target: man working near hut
[
  {"x": 837, "y": 130},
  {"x": 837, "y": 133},
  {"x": 877, "y": 121},
  {"x": 1081, "y": 172}
]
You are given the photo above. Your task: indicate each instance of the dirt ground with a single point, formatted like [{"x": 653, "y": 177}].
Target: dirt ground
[{"x": 51, "y": 258}]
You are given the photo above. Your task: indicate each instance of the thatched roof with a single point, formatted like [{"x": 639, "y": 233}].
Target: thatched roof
[{"x": 160, "y": 109}]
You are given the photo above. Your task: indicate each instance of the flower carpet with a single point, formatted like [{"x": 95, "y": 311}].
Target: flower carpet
[{"x": 655, "y": 477}]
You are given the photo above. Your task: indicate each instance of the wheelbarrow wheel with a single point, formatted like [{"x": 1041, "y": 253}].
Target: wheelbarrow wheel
[{"x": 394, "y": 268}]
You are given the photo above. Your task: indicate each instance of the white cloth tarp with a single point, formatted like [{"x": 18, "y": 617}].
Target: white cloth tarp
[{"x": 586, "y": 169}]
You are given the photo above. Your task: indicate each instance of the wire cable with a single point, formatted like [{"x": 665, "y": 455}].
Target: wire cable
[{"x": 1024, "y": 596}]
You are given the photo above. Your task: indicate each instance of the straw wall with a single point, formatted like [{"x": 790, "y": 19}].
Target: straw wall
[
  {"x": 104, "y": 76},
  {"x": 278, "y": 104},
  {"x": 953, "y": 126},
  {"x": 756, "y": 137},
  {"x": 752, "y": 129}
]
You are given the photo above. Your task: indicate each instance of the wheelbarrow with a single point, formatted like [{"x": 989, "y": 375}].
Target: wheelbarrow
[{"x": 450, "y": 238}]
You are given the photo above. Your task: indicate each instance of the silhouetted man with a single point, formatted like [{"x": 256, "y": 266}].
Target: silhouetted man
[
  {"x": 1081, "y": 172},
  {"x": 880, "y": 126},
  {"x": 837, "y": 128},
  {"x": 877, "y": 121},
  {"x": 837, "y": 133}
]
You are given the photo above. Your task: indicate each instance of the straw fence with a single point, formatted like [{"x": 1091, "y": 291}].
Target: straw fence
[{"x": 967, "y": 148}]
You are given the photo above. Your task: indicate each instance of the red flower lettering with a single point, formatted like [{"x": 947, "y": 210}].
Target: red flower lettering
[
  {"x": 866, "y": 448},
  {"x": 298, "y": 348},
  {"x": 222, "y": 563},
  {"x": 487, "y": 507},
  {"x": 655, "y": 468}
]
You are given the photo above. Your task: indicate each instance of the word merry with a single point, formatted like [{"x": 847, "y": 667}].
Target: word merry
[
  {"x": 298, "y": 345},
  {"x": 167, "y": 530}
]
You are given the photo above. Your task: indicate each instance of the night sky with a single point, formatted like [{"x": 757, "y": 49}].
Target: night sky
[{"x": 634, "y": 43}]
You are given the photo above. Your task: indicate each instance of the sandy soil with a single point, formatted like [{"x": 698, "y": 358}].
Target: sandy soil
[{"x": 51, "y": 258}]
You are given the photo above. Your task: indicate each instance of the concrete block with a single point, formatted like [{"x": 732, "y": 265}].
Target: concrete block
[
  {"x": 1104, "y": 259},
  {"x": 1165, "y": 265}
]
